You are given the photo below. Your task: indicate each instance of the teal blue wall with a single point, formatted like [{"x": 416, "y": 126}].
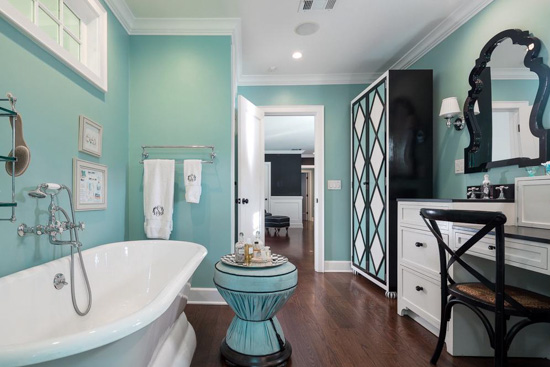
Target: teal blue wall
[
  {"x": 336, "y": 99},
  {"x": 452, "y": 61},
  {"x": 50, "y": 99},
  {"x": 180, "y": 94}
]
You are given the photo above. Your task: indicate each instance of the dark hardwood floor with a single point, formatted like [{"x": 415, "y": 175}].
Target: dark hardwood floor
[{"x": 333, "y": 320}]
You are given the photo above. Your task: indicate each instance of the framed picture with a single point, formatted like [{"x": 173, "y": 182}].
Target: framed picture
[
  {"x": 89, "y": 185},
  {"x": 90, "y": 137}
]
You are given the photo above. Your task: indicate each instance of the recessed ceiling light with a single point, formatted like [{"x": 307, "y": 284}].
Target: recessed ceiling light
[
  {"x": 272, "y": 69},
  {"x": 306, "y": 29},
  {"x": 297, "y": 55}
]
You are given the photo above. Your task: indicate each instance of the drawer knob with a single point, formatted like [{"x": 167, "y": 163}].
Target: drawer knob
[
  {"x": 491, "y": 247},
  {"x": 419, "y": 244},
  {"x": 419, "y": 288}
]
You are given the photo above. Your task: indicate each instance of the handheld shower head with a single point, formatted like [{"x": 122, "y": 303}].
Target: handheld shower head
[{"x": 40, "y": 191}]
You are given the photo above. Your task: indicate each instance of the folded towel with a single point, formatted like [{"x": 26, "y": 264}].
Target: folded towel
[
  {"x": 158, "y": 197},
  {"x": 192, "y": 175}
]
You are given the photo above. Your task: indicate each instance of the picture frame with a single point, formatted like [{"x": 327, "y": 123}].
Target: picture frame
[
  {"x": 89, "y": 185},
  {"x": 90, "y": 137}
]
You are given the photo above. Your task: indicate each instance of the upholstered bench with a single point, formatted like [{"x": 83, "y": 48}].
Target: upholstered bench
[{"x": 277, "y": 222}]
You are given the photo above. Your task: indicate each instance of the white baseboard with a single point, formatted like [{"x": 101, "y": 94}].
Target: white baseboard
[
  {"x": 337, "y": 266},
  {"x": 205, "y": 296}
]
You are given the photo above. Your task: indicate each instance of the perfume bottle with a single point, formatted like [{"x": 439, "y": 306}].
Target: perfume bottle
[
  {"x": 248, "y": 251},
  {"x": 239, "y": 249}
]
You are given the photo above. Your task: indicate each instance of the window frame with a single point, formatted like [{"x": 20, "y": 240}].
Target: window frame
[{"x": 92, "y": 65}]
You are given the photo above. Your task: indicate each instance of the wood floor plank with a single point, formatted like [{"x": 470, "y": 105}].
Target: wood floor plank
[{"x": 334, "y": 320}]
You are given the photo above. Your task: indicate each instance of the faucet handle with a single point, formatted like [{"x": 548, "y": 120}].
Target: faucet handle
[
  {"x": 21, "y": 230},
  {"x": 81, "y": 226},
  {"x": 501, "y": 189}
]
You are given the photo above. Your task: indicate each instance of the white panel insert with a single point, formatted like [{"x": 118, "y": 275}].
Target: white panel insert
[{"x": 533, "y": 201}]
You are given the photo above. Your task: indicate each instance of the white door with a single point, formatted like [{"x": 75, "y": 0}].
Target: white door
[{"x": 250, "y": 195}]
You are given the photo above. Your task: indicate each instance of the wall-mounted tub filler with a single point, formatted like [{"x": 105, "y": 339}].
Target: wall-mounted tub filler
[{"x": 55, "y": 228}]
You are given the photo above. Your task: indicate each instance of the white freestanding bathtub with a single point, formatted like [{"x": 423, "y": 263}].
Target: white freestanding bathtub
[{"x": 139, "y": 290}]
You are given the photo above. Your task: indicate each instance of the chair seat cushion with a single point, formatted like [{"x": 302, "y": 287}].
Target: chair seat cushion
[
  {"x": 532, "y": 301},
  {"x": 277, "y": 221}
]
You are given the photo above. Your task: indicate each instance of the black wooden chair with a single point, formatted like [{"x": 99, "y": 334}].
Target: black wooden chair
[{"x": 503, "y": 300}]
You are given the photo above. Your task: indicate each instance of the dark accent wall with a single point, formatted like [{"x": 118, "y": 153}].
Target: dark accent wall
[
  {"x": 308, "y": 161},
  {"x": 285, "y": 174}
]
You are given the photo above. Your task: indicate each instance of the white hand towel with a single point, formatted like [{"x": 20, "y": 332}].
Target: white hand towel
[
  {"x": 192, "y": 169},
  {"x": 158, "y": 197}
]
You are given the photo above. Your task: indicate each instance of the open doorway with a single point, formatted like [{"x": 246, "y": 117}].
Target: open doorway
[{"x": 251, "y": 200}]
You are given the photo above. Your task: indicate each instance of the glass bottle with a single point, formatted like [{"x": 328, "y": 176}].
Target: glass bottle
[{"x": 239, "y": 249}]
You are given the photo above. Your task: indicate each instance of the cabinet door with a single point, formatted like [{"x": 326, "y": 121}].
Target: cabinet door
[
  {"x": 376, "y": 182},
  {"x": 359, "y": 251}
]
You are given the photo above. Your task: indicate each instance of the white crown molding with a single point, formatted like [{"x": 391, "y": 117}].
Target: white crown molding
[
  {"x": 185, "y": 26},
  {"x": 123, "y": 13},
  {"x": 441, "y": 32},
  {"x": 232, "y": 27},
  {"x": 307, "y": 79},
  {"x": 513, "y": 74}
]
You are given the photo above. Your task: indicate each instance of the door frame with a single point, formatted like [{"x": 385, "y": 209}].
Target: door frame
[{"x": 318, "y": 113}]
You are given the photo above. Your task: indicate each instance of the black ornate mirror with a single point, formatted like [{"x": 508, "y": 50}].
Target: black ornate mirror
[{"x": 505, "y": 105}]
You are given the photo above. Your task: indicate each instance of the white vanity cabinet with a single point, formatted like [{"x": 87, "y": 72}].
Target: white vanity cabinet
[{"x": 418, "y": 287}]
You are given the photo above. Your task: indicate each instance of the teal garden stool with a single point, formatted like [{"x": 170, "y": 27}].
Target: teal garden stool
[{"x": 255, "y": 337}]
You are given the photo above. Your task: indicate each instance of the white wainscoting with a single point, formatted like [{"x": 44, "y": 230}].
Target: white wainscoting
[{"x": 291, "y": 206}]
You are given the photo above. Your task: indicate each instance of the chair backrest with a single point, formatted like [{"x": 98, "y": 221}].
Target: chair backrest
[{"x": 491, "y": 221}]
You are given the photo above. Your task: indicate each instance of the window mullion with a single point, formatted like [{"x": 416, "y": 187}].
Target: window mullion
[
  {"x": 35, "y": 12},
  {"x": 60, "y": 29}
]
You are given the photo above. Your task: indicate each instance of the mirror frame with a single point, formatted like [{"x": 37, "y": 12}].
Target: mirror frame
[{"x": 533, "y": 63}]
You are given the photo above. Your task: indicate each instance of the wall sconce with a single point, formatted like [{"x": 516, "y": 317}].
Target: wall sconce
[{"x": 450, "y": 109}]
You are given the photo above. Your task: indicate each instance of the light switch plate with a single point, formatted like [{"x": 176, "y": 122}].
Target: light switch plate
[
  {"x": 459, "y": 166},
  {"x": 334, "y": 185}
]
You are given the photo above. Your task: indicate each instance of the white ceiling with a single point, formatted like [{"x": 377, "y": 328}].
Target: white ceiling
[
  {"x": 357, "y": 40},
  {"x": 287, "y": 133}
]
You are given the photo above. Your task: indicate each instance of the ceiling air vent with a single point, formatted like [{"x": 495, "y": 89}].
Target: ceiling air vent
[{"x": 308, "y": 5}]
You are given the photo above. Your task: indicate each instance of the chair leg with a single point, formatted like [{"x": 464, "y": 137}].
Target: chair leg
[
  {"x": 500, "y": 341},
  {"x": 445, "y": 317}
]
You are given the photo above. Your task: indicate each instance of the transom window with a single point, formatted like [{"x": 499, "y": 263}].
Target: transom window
[
  {"x": 74, "y": 31},
  {"x": 57, "y": 20}
]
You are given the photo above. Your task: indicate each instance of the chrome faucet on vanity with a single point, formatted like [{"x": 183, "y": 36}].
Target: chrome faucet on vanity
[{"x": 55, "y": 228}]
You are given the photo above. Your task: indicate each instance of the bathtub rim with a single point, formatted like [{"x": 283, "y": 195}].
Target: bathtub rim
[{"x": 45, "y": 350}]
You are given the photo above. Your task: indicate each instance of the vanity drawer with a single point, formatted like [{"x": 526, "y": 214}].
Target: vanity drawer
[
  {"x": 526, "y": 255},
  {"x": 419, "y": 249},
  {"x": 409, "y": 214},
  {"x": 421, "y": 295}
]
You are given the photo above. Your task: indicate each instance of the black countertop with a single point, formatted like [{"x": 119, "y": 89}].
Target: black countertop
[
  {"x": 517, "y": 232},
  {"x": 458, "y": 200}
]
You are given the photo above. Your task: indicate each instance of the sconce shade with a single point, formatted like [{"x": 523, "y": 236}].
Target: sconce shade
[
  {"x": 449, "y": 107},
  {"x": 476, "y": 108}
]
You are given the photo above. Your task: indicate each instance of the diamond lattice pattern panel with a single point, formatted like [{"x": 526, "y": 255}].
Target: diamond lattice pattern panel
[
  {"x": 359, "y": 250},
  {"x": 377, "y": 194}
]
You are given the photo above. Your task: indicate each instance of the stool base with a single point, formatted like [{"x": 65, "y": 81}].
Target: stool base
[{"x": 234, "y": 358}]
